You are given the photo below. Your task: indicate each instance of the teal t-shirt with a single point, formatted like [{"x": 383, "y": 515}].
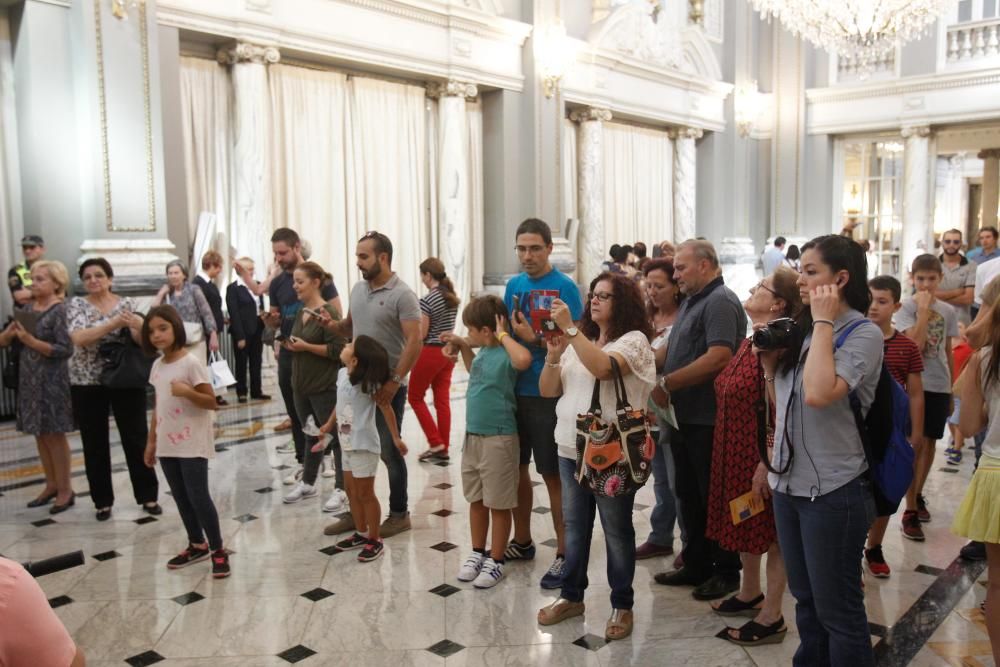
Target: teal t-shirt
[{"x": 490, "y": 405}]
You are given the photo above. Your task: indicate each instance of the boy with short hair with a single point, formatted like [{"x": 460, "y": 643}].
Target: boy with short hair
[
  {"x": 905, "y": 364},
  {"x": 931, "y": 324},
  {"x": 491, "y": 455}
]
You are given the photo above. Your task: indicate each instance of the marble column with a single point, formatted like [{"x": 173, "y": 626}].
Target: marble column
[
  {"x": 917, "y": 229},
  {"x": 252, "y": 222},
  {"x": 685, "y": 182},
  {"x": 590, "y": 183},
  {"x": 991, "y": 186},
  {"x": 453, "y": 187}
]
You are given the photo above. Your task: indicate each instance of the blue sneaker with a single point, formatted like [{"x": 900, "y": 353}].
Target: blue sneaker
[
  {"x": 554, "y": 577},
  {"x": 954, "y": 455},
  {"x": 516, "y": 551}
]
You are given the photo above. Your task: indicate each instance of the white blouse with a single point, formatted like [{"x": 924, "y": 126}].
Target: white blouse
[{"x": 578, "y": 386}]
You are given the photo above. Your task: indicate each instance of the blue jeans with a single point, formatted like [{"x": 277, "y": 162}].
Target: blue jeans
[
  {"x": 393, "y": 460},
  {"x": 822, "y": 541},
  {"x": 664, "y": 515},
  {"x": 579, "y": 507}
]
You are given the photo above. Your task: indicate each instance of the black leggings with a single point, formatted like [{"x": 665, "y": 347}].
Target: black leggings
[{"x": 188, "y": 480}]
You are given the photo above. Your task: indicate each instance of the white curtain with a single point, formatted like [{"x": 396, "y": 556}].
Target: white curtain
[
  {"x": 309, "y": 112},
  {"x": 637, "y": 185},
  {"x": 10, "y": 209},
  {"x": 206, "y": 116},
  {"x": 477, "y": 221},
  {"x": 387, "y": 181}
]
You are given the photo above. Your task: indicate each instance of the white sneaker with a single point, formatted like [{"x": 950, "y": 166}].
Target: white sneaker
[
  {"x": 301, "y": 490},
  {"x": 294, "y": 477},
  {"x": 490, "y": 575},
  {"x": 329, "y": 467},
  {"x": 471, "y": 567},
  {"x": 286, "y": 447},
  {"x": 337, "y": 502}
]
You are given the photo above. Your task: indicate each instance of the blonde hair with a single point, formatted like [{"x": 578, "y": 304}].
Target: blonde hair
[{"x": 57, "y": 273}]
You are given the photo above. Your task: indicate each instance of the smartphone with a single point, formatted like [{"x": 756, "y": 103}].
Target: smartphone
[
  {"x": 517, "y": 305},
  {"x": 315, "y": 312}
]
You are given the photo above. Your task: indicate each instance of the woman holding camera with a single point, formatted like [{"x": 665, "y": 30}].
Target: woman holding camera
[
  {"x": 822, "y": 495},
  {"x": 740, "y": 420}
]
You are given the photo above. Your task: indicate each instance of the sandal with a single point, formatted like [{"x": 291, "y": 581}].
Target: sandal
[
  {"x": 432, "y": 453},
  {"x": 734, "y": 606},
  {"x": 559, "y": 611},
  {"x": 753, "y": 633},
  {"x": 619, "y": 625}
]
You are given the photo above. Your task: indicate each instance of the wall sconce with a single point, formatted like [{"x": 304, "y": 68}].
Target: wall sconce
[
  {"x": 119, "y": 8},
  {"x": 748, "y": 104},
  {"x": 852, "y": 200},
  {"x": 555, "y": 52}
]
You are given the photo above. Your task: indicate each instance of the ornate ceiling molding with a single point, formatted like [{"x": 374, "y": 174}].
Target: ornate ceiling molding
[
  {"x": 244, "y": 52},
  {"x": 590, "y": 114},
  {"x": 452, "y": 88}
]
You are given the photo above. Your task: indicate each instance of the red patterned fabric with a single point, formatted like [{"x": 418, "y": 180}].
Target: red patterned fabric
[{"x": 734, "y": 456}]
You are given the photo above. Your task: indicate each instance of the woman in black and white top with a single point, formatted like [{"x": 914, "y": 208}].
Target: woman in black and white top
[{"x": 433, "y": 368}]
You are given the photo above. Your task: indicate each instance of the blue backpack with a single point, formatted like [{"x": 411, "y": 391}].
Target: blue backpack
[{"x": 883, "y": 431}]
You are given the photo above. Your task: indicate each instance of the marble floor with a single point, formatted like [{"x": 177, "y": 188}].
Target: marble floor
[{"x": 289, "y": 602}]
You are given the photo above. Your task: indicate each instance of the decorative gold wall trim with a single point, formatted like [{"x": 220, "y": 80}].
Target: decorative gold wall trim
[{"x": 148, "y": 112}]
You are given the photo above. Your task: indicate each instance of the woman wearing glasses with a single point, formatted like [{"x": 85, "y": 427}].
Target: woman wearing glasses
[{"x": 736, "y": 467}]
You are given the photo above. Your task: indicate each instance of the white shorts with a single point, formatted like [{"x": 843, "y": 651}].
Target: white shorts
[{"x": 361, "y": 463}]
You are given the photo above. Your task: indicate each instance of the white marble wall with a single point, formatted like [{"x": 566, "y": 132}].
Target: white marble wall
[{"x": 685, "y": 182}]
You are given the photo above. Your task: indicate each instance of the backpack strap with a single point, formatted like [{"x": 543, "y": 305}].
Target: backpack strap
[{"x": 852, "y": 397}]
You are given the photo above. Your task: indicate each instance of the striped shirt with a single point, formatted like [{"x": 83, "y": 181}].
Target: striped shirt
[
  {"x": 442, "y": 316},
  {"x": 902, "y": 357}
]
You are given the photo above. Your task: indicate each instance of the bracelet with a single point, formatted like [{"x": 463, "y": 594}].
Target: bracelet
[
  {"x": 830, "y": 322},
  {"x": 501, "y": 335},
  {"x": 551, "y": 364},
  {"x": 768, "y": 379}
]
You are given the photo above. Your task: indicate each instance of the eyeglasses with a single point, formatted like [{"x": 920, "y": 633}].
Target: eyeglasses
[
  {"x": 532, "y": 249},
  {"x": 761, "y": 285},
  {"x": 951, "y": 242},
  {"x": 600, "y": 296}
]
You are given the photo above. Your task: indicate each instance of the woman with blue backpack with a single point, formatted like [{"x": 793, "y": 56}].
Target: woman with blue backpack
[{"x": 822, "y": 486}]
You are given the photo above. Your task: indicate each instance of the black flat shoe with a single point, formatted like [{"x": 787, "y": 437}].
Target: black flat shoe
[
  {"x": 153, "y": 509},
  {"x": 41, "y": 501},
  {"x": 241, "y": 399},
  {"x": 261, "y": 397},
  {"x": 57, "y": 509},
  {"x": 681, "y": 577},
  {"x": 716, "y": 587},
  {"x": 104, "y": 515},
  {"x": 221, "y": 401}
]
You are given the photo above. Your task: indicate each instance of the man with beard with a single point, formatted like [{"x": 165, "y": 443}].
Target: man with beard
[
  {"x": 285, "y": 306},
  {"x": 959, "y": 278},
  {"x": 384, "y": 307}
]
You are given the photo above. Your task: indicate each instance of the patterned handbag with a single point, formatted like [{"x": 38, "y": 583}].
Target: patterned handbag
[{"x": 613, "y": 458}]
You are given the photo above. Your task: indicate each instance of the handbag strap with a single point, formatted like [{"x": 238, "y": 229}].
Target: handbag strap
[
  {"x": 621, "y": 396},
  {"x": 595, "y": 399}
]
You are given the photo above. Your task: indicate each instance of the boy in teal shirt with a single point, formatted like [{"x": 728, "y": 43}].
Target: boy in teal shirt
[{"x": 490, "y": 456}]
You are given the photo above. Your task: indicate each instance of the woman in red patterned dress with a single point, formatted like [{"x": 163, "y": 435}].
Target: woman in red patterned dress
[{"x": 736, "y": 462}]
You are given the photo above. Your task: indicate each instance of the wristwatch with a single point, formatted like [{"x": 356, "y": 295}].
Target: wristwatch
[
  {"x": 572, "y": 331},
  {"x": 395, "y": 378}
]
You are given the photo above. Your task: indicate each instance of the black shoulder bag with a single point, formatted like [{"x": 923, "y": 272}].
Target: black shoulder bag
[{"x": 126, "y": 366}]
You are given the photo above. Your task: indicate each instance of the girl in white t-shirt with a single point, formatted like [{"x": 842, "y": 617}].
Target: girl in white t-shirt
[
  {"x": 365, "y": 369},
  {"x": 181, "y": 434}
]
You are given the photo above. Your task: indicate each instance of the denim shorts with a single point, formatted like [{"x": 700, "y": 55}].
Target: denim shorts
[{"x": 536, "y": 429}]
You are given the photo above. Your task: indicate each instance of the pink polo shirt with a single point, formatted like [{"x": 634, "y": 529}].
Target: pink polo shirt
[{"x": 31, "y": 635}]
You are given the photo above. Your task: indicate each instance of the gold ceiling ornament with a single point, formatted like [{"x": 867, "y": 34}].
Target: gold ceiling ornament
[{"x": 865, "y": 31}]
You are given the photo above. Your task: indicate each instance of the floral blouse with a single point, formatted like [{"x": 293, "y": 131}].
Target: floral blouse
[
  {"x": 192, "y": 306},
  {"x": 86, "y": 365}
]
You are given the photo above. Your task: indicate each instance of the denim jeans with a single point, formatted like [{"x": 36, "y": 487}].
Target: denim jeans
[
  {"x": 579, "y": 507},
  {"x": 664, "y": 514},
  {"x": 393, "y": 460},
  {"x": 188, "y": 481},
  {"x": 822, "y": 541},
  {"x": 288, "y": 396}
]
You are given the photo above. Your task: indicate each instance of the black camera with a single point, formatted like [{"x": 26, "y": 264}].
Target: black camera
[{"x": 780, "y": 334}]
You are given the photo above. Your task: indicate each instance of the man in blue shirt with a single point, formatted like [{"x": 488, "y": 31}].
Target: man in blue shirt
[
  {"x": 536, "y": 416},
  {"x": 988, "y": 246}
]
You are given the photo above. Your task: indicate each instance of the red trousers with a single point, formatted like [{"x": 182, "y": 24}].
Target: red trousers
[{"x": 433, "y": 371}]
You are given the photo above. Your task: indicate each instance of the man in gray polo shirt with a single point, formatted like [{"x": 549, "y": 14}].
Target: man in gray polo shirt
[
  {"x": 384, "y": 307},
  {"x": 958, "y": 278},
  {"x": 708, "y": 329}
]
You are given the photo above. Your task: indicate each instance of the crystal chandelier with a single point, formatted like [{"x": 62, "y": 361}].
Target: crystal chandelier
[{"x": 864, "y": 31}]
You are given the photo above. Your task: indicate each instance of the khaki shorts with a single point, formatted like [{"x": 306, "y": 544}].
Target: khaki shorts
[
  {"x": 361, "y": 463},
  {"x": 490, "y": 470}
]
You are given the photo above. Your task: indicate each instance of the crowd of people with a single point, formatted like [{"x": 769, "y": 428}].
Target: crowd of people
[{"x": 749, "y": 417}]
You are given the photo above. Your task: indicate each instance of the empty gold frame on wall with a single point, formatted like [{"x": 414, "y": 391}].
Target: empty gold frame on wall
[{"x": 119, "y": 9}]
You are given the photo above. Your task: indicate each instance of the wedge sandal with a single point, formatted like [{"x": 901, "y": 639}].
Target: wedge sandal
[
  {"x": 619, "y": 625},
  {"x": 733, "y": 606},
  {"x": 559, "y": 611}
]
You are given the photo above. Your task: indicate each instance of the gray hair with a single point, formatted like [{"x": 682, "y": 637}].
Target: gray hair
[
  {"x": 701, "y": 249},
  {"x": 180, "y": 265}
]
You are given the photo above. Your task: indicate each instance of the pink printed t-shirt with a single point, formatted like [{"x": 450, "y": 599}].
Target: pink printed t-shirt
[
  {"x": 183, "y": 430},
  {"x": 30, "y": 632}
]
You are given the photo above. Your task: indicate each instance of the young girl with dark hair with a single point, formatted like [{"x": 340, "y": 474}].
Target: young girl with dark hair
[
  {"x": 180, "y": 435},
  {"x": 433, "y": 368},
  {"x": 365, "y": 369},
  {"x": 822, "y": 494}
]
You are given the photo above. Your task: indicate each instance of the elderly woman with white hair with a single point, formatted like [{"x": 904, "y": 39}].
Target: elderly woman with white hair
[{"x": 190, "y": 302}]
